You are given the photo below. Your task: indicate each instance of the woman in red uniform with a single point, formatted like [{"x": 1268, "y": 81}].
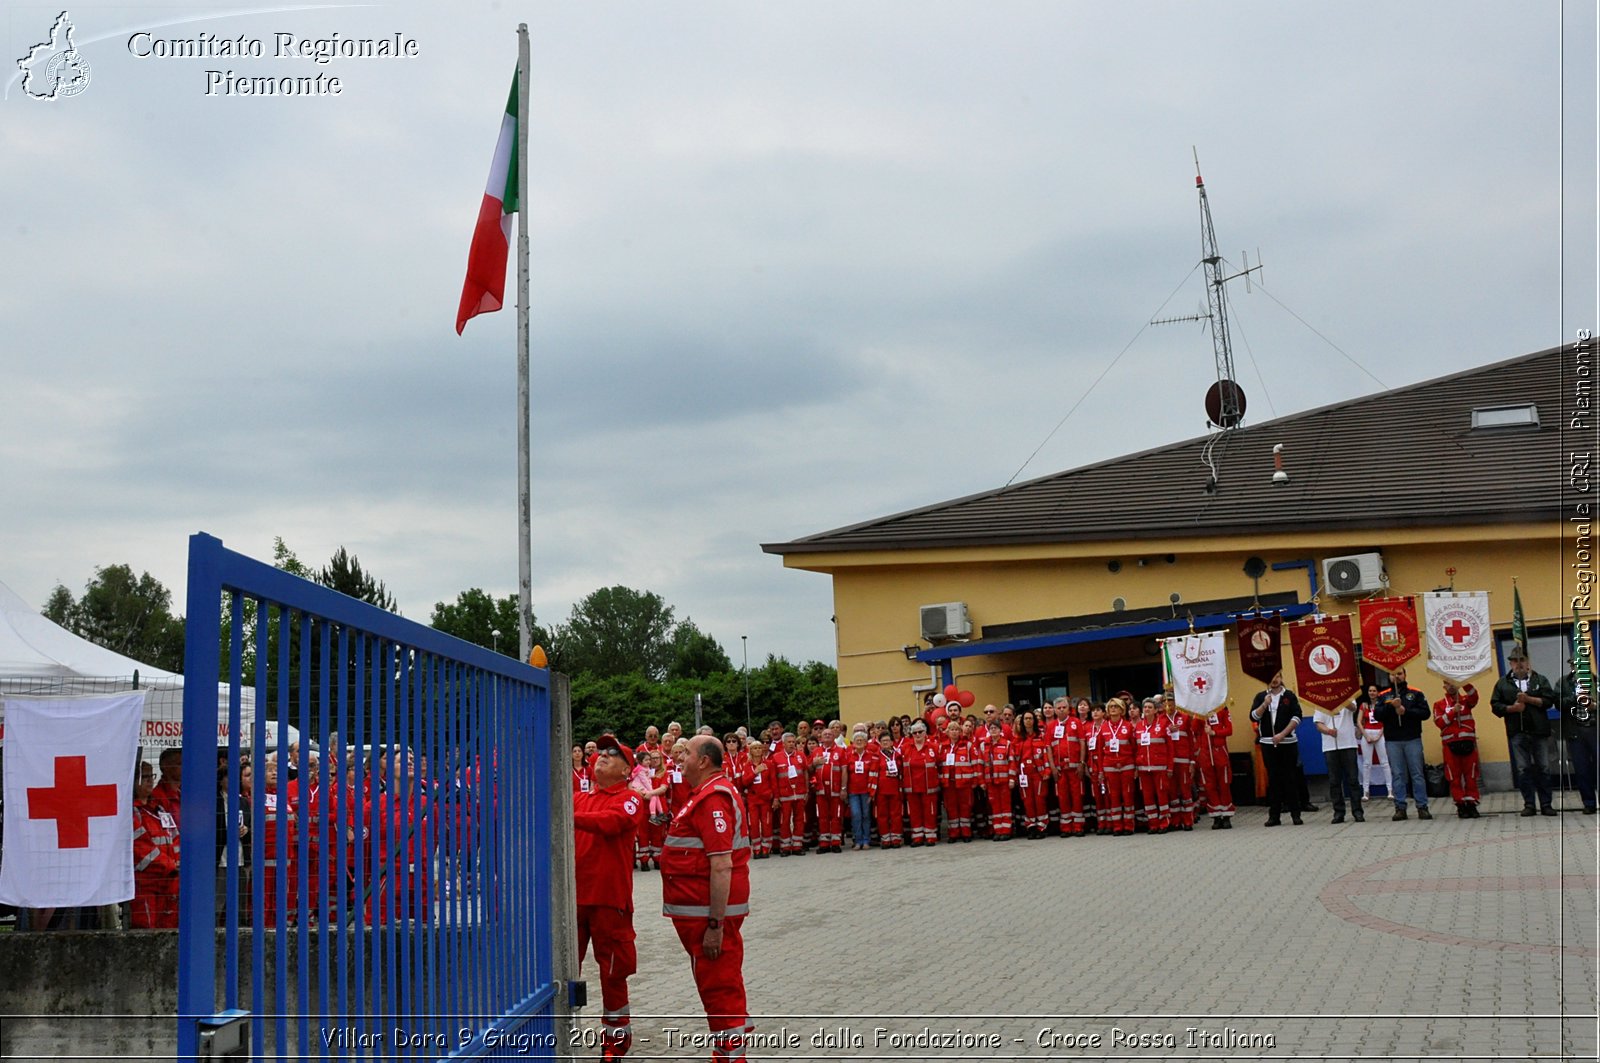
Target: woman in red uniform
[
  {"x": 1459, "y": 734},
  {"x": 155, "y": 859},
  {"x": 1035, "y": 771},
  {"x": 889, "y": 811},
  {"x": 1180, "y": 745},
  {"x": 921, "y": 761},
  {"x": 1216, "y": 771},
  {"x": 861, "y": 784},
  {"x": 1114, "y": 768},
  {"x": 1154, "y": 762},
  {"x": 789, "y": 772},
  {"x": 760, "y": 798},
  {"x": 1065, "y": 737},
  {"x": 999, "y": 773},
  {"x": 959, "y": 766}
]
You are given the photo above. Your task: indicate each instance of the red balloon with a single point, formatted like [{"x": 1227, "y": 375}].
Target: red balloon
[
  {"x": 967, "y": 698},
  {"x": 952, "y": 692}
]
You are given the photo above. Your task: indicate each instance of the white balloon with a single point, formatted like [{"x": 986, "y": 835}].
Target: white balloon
[{"x": 938, "y": 701}]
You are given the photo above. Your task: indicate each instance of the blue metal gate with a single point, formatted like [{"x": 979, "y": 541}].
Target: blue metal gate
[{"x": 392, "y": 900}]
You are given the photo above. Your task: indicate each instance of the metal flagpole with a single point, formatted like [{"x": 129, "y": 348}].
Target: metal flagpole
[{"x": 524, "y": 472}]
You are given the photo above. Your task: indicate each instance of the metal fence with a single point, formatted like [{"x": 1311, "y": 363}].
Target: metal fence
[{"x": 390, "y": 897}]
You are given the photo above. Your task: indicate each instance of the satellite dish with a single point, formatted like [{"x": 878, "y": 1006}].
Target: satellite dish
[
  {"x": 1118, "y": 605},
  {"x": 1214, "y": 404},
  {"x": 1254, "y": 567}
]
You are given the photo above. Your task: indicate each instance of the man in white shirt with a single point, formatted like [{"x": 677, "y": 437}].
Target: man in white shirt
[{"x": 1341, "y": 741}]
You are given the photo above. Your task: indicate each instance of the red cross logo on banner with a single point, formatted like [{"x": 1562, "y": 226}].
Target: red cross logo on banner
[
  {"x": 1200, "y": 683},
  {"x": 72, "y": 802},
  {"x": 1458, "y": 631}
]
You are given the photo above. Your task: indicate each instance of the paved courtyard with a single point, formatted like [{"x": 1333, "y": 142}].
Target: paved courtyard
[{"x": 1458, "y": 939}]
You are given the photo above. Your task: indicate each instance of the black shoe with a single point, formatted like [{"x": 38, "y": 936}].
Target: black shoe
[
  {"x": 1423, "y": 813},
  {"x": 1547, "y": 811},
  {"x": 1219, "y": 824},
  {"x": 1274, "y": 822},
  {"x": 1295, "y": 817},
  {"x": 1399, "y": 814},
  {"x": 1310, "y": 808},
  {"x": 1338, "y": 817},
  {"x": 1470, "y": 810},
  {"x": 1359, "y": 816},
  {"x": 1529, "y": 810},
  {"x": 1589, "y": 810}
]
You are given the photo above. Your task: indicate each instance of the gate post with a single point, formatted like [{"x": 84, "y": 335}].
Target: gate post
[{"x": 563, "y": 886}]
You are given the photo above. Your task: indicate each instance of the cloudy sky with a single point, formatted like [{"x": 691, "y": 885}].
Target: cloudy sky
[{"x": 795, "y": 265}]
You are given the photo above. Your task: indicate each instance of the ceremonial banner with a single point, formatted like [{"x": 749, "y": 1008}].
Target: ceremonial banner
[
  {"x": 1389, "y": 636},
  {"x": 1460, "y": 642},
  {"x": 1324, "y": 654},
  {"x": 69, "y": 766},
  {"x": 1260, "y": 646},
  {"x": 1197, "y": 668}
]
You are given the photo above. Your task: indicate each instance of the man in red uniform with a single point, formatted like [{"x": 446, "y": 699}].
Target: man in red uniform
[
  {"x": 1459, "y": 734},
  {"x": 705, "y": 891},
  {"x": 166, "y": 797},
  {"x": 1065, "y": 735},
  {"x": 1180, "y": 745},
  {"x": 999, "y": 774},
  {"x": 155, "y": 859},
  {"x": 1216, "y": 770},
  {"x": 960, "y": 764},
  {"x": 760, "y": 787},
  {"x": 1154, "y": 762},
  {"x": 790, "y": 772},
  {"x": 891, "y": 824},
  {"x": 921, "y": 763},
  {"x": 606, "y": 819}
]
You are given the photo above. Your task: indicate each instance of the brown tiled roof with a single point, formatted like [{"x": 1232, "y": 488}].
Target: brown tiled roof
[{"x": 1404, "y": 457}]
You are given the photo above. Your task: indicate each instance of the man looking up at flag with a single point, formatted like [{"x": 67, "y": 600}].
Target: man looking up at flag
[
  {"x": 1522, "y": 698},
  {"x": 606, "y": 819}
]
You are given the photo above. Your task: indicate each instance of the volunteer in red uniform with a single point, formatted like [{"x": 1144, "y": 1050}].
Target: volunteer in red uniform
[
  {"x": 828, "y": 777},
  {"x": 1154, "y": 762},
  {"x": 274, "y": 861},
  {"x": 889, "y": 813},
  {"x": 1216, "y": 771},
  {"x": 166, "y": 797},
  {"x": 760, "y": 785},
  {"x": 1065, "y": 737},
  {"x": 580, "y": 771},
  {"x": 958, "y": 775},
  {"x": 705, "y": 891},
  {"x": 155, "y": 859},
  {"x": 1180, "y": 747},
  {"x": 1034, "y": 773},
  {"x": 1114, "y": 769},
  {"x": 1459, "y": 734},
  {"x": 606, "y": 819},
  {"x": 921, "y": 762},
  {"x": 790, "y": 772},
  {"x": 999, "y": 774}
]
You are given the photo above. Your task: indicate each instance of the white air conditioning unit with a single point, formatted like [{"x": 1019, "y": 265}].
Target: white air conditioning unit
[
  {"x": 1353, "y": 575},
  {"x": 946, "y": 621}
]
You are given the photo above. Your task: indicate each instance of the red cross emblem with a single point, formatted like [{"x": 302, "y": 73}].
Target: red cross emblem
[
  {"x": 72, "y": 802},
  {"x": 1457, "y": 631},
  {"x": 1200, "y": 683}
]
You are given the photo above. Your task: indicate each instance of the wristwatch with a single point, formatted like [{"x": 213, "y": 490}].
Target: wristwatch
[{"x": 714, "y": 923}]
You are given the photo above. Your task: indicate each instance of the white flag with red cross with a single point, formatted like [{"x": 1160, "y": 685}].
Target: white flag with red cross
[
  {"x": 1460, "y": 642},
  {"x": 69, "y": 765},
  {"x": 1197, "y": 668}
]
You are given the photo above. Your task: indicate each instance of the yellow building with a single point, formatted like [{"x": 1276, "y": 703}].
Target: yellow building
[{"x": 1069, "y": 581}]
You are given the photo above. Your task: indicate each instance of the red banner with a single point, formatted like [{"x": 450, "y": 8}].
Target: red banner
[
  {"x": 1325, "y": 661},
  {"x": 1389, "y": 635},
  {"x": 1260, "y": 647}
]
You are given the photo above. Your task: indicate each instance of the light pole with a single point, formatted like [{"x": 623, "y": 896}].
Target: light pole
[
  {"x": 744, "y": 640},
  {"x": 495, "y": 637}
]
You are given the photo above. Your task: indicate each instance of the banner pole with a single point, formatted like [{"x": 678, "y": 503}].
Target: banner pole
[{"x": 524, "y": 463}]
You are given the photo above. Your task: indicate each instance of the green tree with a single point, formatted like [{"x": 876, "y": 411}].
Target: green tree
[
  {"x": 695, "y": 654},
  {"x": 131, "y": 615},
  {"x": 476, "y": 615},
  {"x": 616, "y": 631},
  {"x": 344, "y": 574}
]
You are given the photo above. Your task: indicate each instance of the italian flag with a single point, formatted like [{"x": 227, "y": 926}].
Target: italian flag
[{"x": 485, "y": 289}]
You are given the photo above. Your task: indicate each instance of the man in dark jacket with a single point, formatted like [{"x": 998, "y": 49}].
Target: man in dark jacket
[
  {"x": 1578, "y": 712},
  {"x": 1522, "y": 698},
  {"x": 1402, "y": 711}
]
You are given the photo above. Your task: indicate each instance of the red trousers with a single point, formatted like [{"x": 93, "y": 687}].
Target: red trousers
[
  {"x": 155, "y": 902},
  {"x": 1181, "y": 787},
  {"x": 958, "y": 811},
  {"x": 924, "y": 810},
  {"x": 999, "y": 807},
  {"x": 830, "y": 821},
  {"x": 1155, "y": 790},
  {"x": 760, "y": 826},
  {"x": 1217, "y": 774},
  {"x": 1069, "y": 795},
  {"x": 720, "y": 981},
  {"x": 611, "y": 931},
  {"x": 1462, "y": 771},
  {"x": 1116, "y": 807},
  {"x": 891, "y": 824},
  {"x": 792, "y": 823},
  {"x": 1033, "y": 804}
]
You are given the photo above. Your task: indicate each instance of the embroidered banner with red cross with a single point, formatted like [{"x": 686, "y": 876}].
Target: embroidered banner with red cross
[
  {"x": 69, "y": 765},
  {"x": 1460, "y": 642},
  {"x": 1389, "y": 636},
  {"x": 1197, "y": 668},
  {"x": 1324, "y": 654}
]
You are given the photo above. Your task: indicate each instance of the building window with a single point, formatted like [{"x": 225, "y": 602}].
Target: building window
[{"x": 1521, "y": 415}]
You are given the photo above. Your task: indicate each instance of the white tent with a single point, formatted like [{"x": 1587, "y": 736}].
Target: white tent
[{"x": 39, "y": 658}]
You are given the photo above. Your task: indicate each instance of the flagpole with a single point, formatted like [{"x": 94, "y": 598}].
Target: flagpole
[{"x": 524, "y": 471}]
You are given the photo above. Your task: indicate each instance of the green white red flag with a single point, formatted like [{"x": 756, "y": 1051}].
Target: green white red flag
[{"x": 485, "y": 287}]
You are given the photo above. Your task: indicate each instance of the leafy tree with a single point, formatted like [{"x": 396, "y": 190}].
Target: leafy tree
[
  {"x": 617, "y": 631},
  {"x": 695, "y": 655},
  {"x": 131, "y": 615},
  {"x": 475, "y": 616}
]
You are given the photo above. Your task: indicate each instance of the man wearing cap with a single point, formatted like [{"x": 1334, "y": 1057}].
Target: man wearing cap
[
  {"x": 705, "y": 891},
  {"x": 606, "y": 819},
  {"x": 1402, "y": 710},
  {"x": 1522, "y": 698}
]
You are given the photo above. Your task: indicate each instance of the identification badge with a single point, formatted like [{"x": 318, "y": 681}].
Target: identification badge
[
  {"x": 1212, "y": 719},
  {"x": 271, "y": 803},
  {"x": 791, "y": 772},
  {"x": 1061, "y": 730},
  {"x": 677, "y": 776},
  {"x": 1144, "y": 739},
  {"x": 950, "y": 760},
  {"x": 1022, "y": 780},
  {"x": 894, "y": 767},
  {"x": 861, "y": 767},
  {"x": 167, "y": 820},
  {"x": 583, "y": 786},
  {"x": 755, "y": 780},
  {"x": 1094, "y": 741},
  {"x": 1113, "y": 745}
]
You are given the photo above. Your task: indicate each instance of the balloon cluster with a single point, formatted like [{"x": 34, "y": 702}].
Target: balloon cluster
[{"x": 951, "y": 696}]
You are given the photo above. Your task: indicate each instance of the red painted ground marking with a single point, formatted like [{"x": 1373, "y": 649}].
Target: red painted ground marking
[{"x": 1335, "y": 897}]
